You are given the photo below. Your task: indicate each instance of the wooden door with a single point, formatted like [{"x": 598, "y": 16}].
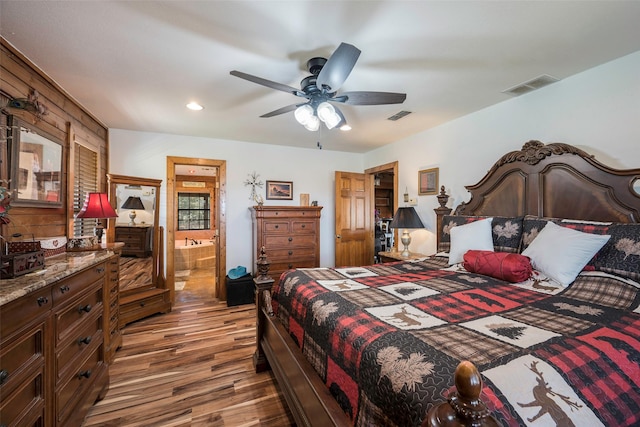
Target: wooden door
[{"x": 354, "y": 223}]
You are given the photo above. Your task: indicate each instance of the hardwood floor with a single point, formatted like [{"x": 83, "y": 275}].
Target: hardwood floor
[{"x": 190, "y": 367}]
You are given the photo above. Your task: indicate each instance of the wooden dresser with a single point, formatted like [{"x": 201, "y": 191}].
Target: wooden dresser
[
  {"x": 136, "y": 238},
  {"x": 53, "y": 364},
  {"x": 290, "y": 235}
]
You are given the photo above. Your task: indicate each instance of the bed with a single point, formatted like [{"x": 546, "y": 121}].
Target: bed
[{"x": 379, "y": 345}]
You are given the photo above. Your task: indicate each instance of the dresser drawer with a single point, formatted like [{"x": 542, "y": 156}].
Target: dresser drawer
[
  {"x": 73, "y": 390},
  {"x": 66, "y": 289},
  {"x": 274, "y": 242},
  {"x": 275, "y": 226},
  {"x": 77, "y": 312},
  {"x": 25, "y": 406},
  {"x": 302, "y": 227},
  {"x": 288, "y": 265},
  {"x": 77, "y": 348},
  {"x": 19, "y": 356},
  {"x": 289, "y": 213},
  {"x": 17, "y": 314},
  {"x": 289, "y": 253}
]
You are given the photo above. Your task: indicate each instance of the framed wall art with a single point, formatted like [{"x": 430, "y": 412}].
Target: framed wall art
[
  {"x": 279, "y": 190},
  {"x": 428, "y": 182}
]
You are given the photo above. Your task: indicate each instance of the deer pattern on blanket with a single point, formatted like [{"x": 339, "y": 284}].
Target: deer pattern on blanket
[{"x": 386, "y": 340}]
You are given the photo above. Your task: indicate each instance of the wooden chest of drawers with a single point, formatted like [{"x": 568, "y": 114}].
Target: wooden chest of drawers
[
  {"x": 289, "y": 234},
  {"x": 136, "y": 239},
  {"x": 52, "y": 351}
]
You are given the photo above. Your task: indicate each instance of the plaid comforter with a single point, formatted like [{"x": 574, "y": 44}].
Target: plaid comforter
[{"x": 386, "y": 340}]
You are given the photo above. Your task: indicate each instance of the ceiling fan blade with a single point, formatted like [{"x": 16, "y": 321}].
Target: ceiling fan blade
[
  {"x": 338, "y": 67},
  {"x": 282, "y": 110},
  {"x": 370, "y": 98},
  {"x": 269, "y": 83}
]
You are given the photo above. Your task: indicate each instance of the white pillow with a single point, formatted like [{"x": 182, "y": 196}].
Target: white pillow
[
  {"x": 561, "y": 253},
  {"x": 475, "y": 235}
]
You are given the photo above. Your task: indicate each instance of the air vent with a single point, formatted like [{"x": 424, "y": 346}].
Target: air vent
[
  {"x": 399, "y": 115},
  {"x": 531, "y": 85}
]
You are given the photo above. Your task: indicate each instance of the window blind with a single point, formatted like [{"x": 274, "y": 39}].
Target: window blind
[{"x": 85, "y": 181}]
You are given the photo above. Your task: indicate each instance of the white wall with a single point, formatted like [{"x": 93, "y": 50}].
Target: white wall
[
  {"x": 597, "y": 110},
  {"x": 144, "y": 154}
]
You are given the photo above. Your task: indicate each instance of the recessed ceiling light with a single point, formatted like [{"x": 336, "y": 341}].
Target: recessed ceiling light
[{"x": 194, "y": 106}]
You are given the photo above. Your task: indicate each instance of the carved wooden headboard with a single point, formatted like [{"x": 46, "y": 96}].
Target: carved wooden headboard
[{"x": 555, "y": 180}]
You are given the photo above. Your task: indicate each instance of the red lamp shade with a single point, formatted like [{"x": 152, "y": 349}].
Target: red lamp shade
[{"x": 97, "y": 205}]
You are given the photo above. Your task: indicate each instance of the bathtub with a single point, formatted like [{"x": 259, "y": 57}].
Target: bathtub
[{"x": 191, "y": 257}]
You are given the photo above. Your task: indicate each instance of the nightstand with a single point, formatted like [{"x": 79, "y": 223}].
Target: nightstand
[{"x": 395, "y": 255}]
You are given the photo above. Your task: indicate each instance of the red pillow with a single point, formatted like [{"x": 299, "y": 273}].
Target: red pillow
[{"x": 501, "y": 265}]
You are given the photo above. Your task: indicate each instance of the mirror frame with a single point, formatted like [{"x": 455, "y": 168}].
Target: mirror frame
[
  {"x": 157, "y": 275},
  {"x": 16, "y": 137}
]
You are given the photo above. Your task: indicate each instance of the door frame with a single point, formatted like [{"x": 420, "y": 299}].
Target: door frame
[
  {"x": 392, "y": 166},
  {"x": 221, "y": 251}
]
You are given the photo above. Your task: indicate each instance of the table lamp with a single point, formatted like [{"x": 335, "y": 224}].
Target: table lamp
[
  {"x": 96, "y": 205},
  {"x": 406, "y": 218},
  {"x": 132, "y": 203}
]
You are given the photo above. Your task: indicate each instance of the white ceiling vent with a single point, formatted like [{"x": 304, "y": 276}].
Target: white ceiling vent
[
  {"x": 399, "y": 115},
  {"x": 531, "y": 85}
]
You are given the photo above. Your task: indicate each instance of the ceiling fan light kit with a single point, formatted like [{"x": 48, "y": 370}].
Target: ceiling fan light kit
[{"x": 327, "y": 76}]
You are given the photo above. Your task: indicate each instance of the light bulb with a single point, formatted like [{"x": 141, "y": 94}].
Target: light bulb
[
  {"x": 303, "y": 113},
  {"x": 312, "y": 124},
  {"x": 326, "y": 111}
]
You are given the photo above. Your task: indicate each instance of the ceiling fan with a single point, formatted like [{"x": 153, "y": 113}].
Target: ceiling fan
[{"x": 320, "y": 90}]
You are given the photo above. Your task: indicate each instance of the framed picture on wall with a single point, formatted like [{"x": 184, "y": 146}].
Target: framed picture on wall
[
  {"x": 428, "y": 182},
  {"x": 279, "y": 190}
]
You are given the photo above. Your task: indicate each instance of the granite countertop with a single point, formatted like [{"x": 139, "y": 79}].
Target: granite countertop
[{"x": 55, "y": 268}]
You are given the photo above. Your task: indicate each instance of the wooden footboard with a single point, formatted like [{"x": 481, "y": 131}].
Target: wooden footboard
[{"x": 310, "y": 401}]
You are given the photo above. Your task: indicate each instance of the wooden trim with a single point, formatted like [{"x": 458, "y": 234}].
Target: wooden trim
[{"x": 221, "y": 215}]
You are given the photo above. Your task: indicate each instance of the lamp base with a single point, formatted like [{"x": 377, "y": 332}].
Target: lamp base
[
  {"x": 98, "y": 232},
  {"x": 406, "y": 240},
  {"x": 132, "y": 217}
]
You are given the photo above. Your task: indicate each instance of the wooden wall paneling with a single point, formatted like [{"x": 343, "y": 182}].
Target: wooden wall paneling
[{"x": 67, "y": 120}]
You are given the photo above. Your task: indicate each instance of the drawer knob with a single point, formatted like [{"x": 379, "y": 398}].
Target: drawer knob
[
  {"x": 64, "y": 289},
  {"x": 100, "y": 269},
  {"x": 277, "y": 226},
  {"x": 290, "y": 252},
  {"x": 85, "y": 374},
  {"x": 42, "y": 301},
  {"x": 4, "y": 374},
  {"x": 87, "y": 308},
  {"x": 291, "y": 239},
  {"x": 290, "y": 266},
  {"x": 85, "y": 340},
  {"x": 304, "y": 225}
]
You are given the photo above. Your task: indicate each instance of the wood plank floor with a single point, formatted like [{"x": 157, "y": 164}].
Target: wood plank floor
[{"x": 190, "y": 367}]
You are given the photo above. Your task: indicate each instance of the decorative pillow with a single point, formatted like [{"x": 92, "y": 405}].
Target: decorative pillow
[
  {"x": 475, "y": 235},
  {"x": 561, "y": 252},
  {"x": 513, "y": 268},
  {"x": 621, "y": 254},
  {"x": 507, "y": 231}
]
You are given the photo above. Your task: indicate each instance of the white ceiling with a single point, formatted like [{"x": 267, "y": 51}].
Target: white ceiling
[{"x": 135, "y": 64}]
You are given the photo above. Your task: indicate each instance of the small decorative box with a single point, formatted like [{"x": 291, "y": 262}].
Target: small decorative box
[
  {"x": 54, "y": 246},
  {"x": 18, "y": 264},
  {"x": 85, "y": 243}
]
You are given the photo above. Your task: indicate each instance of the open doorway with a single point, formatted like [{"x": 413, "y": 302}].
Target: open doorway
[
  {"x": 196, "y": 226},
  {"x": 385, "y": 197}
]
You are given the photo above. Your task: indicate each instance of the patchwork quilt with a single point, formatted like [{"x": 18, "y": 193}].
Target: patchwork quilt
[{"x": 386, "y": 340}]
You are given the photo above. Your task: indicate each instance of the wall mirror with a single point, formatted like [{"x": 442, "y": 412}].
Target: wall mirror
[
  {"x": 136, "y": 200},
  {"x": 37, "y": 166}
]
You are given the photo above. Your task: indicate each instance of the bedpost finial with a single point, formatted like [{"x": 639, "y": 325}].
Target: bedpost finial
[
  {"x": 443, "y": 197},
  {"x": 464, "y": 406},
  {"x": 263, "y": 265}
]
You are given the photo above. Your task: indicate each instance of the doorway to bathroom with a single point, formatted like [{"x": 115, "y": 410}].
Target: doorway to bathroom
[{"x": 196, "y": 228}]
